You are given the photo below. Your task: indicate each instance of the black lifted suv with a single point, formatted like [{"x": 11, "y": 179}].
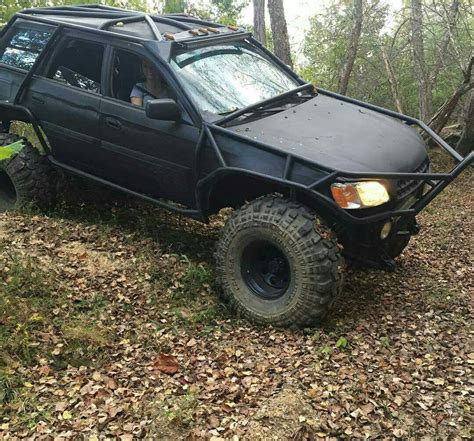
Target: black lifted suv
[{"x": 195, "y": 116}]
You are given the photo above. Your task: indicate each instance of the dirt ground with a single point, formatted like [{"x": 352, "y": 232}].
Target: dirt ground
[{"x": 111, "y": 328}]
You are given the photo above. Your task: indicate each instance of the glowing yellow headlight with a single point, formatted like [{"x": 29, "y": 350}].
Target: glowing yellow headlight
[{"x": 360, "y": 194}]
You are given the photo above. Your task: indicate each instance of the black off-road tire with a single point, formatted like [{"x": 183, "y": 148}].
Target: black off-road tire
[
  {"x": 306, "y": 249},
  {"x": 27, "y": 178}
]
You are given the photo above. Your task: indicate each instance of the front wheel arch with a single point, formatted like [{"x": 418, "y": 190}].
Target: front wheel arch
[{"x": 233, "y": 189}]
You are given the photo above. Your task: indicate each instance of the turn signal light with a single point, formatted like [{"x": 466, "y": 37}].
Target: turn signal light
[{"x": 360, "y": 194}]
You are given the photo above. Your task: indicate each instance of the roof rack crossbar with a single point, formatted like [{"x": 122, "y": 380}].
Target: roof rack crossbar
[
  {"x": 154, "y": 29},
  {"x": 30, "y": 17},
  {"x": 114, "y": 21},
  {"x": 176, "y": 14},
  {"x": 134, "y": 19},
  {"x": 170, "y": 21},
  {"x": 114, "y": 16},
  {"x": 196, "y": 21},
  {"x": 64, "y": 12}
]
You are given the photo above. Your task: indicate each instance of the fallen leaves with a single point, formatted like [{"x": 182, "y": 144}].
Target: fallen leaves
[
  {"x": 394, "y": 361},
  {"x": 168, "y": 364}
]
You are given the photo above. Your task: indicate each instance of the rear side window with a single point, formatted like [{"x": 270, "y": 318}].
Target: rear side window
[
  {"x": 79, "y": 64},
  {"x": 24, "y": 47}
]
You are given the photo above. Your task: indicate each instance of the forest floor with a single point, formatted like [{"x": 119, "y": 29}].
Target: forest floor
[{"x": 110, "y": 327}]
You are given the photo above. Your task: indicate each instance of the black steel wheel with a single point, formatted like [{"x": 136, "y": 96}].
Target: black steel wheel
[
  {"x": 278, "y": 264},
  {"x": 265, "y": 269},
  {"x": 26, "y": 178}
]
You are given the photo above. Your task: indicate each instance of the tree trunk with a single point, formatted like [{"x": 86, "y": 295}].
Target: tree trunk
[
  {"x": 441, "y": 117},
  {"x": 424, "y": 92},
  {"x": 352, "y": 48},
  {"x": 466, "y": 143},
  {"x": 259, "y": 21},
  {"x": 443, "y": 47},
  {"x": 281, "y": 40},
  {"x": 392, "y": 80}
]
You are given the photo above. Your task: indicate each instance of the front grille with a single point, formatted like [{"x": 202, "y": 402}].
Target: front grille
[{"x": 409, "y": 186}]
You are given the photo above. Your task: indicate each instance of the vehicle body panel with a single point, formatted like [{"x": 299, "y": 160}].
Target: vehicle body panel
[
  {"x": 70, "y": 118},
  {"x": 340, "y": 135},
  {"x": 145, "y": 155}
]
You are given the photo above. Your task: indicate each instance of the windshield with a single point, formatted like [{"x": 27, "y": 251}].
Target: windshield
[{"x": 228, "y": 77}]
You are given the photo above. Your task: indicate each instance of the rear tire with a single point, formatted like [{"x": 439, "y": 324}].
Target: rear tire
[
  {"x": 278, "y": 264},
  {"x": 27, "y": 178}
]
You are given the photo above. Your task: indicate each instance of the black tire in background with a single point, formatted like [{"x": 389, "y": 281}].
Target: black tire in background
[
  {"x": 27, "y": 178},
  {"x": 278, "y": 264}
]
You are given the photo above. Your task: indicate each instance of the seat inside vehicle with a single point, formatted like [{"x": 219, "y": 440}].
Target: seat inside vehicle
[{"x": 127, "y": 72}]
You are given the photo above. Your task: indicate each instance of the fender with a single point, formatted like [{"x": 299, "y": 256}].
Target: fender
[{"x": 15, "y": 112}]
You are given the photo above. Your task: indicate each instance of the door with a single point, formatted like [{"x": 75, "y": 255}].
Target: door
[
  {"x": 66, "y": 97},
  {"x": 145, "y": 155}
]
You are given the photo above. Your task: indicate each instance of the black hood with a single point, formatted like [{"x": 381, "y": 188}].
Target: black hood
[{"x": 340, "y": 135}]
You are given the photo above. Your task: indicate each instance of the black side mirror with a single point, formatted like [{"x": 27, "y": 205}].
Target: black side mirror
[{"x": 164, "y": 109}]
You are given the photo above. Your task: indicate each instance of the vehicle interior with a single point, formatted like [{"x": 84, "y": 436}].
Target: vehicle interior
[
  {"x": 126, "y": 73},
  {"x": 79, "y": 64}
]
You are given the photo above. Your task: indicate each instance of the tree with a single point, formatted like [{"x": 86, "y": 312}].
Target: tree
[
  {"x": 392, "y": 78},
  {"x": 427, "y": 76},
  {"x": 221, "y": 11},
  {"x": 466, "y": 143},
  {"x": 259, "y": 21},
  {"x": 352, "y": 47},
  {"x": 174, "y": 6},
  {"x": 441, "y": 117},
  {"x": 228, "y": 11},
  {"x": 326, "y": 46},
  {"x": 419, "y": 59},
  {"x": 281, "y": 41}
]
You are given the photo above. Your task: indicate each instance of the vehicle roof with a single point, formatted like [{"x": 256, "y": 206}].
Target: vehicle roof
[{"x": 173, "y": 27}]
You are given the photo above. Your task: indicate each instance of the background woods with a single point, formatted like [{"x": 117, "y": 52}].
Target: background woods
[{"x": 415, "y": 58}]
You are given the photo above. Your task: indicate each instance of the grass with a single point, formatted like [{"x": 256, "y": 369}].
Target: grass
[
  {"x": 178, "y": 410},
  {"x": 39, "y": 320}
]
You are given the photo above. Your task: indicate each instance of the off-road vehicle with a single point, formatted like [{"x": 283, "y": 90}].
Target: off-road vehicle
[{"x": 312, "y": 175}]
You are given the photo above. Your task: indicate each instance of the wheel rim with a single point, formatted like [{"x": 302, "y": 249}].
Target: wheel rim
[
  {"x": 8, "y": 196},
  {"x": 265, "y": 269}
]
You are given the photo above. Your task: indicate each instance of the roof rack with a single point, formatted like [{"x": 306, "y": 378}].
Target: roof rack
[{"x": 191, "y": 28}]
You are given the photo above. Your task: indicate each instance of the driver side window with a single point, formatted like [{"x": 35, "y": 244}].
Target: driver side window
[{"x": 136, "y": 80}]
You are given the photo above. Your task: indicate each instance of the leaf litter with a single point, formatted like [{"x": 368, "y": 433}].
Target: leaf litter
[{"x": 130, "y": 340}]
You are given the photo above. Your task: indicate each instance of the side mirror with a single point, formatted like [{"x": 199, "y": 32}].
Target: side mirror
[{"x": 163, "y": 109}]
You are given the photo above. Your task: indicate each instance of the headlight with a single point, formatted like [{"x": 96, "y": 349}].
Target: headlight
[{"x": 360, "y": 194}]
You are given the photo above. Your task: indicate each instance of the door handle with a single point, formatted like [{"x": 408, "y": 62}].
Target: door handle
[{"x": 114, "y": 123}]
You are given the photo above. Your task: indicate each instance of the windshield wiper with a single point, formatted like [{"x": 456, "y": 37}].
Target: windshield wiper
[
  {"x": 263, "y": 104},
  {"x": 228, "y": 112}
]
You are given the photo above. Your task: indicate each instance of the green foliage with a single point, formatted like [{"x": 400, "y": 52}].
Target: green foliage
[
  {"x": 342, "y": 343},
  {"x": 221, "y": 11},
  {"x": 174, "y": 6}
]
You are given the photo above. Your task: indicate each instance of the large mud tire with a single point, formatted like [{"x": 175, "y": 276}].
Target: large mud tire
[
  {"x": 285, "y": 239},
  {"x": 26, "y": 179}
]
